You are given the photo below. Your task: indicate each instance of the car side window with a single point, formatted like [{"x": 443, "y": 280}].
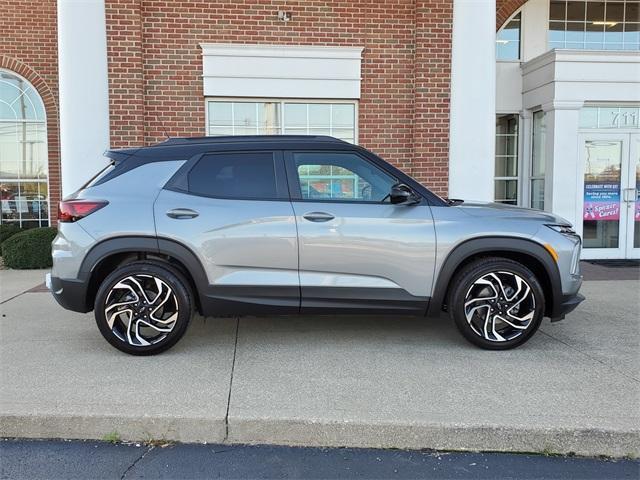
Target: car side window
[
  {"x": 341, "y": 177},
  {"x": 249, "y": 175}
]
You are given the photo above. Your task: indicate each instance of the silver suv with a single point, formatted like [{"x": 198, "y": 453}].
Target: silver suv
[{"x": 294, "y": 225}]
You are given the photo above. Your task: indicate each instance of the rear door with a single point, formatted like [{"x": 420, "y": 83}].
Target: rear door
[
  {"x": 358, "y": 252},
  {"x": 232, "y": 210}
]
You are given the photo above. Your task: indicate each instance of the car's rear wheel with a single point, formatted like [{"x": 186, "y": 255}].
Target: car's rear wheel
[
  {"x": 496, "y": 303},
  {"x": 143, "y": 308}
]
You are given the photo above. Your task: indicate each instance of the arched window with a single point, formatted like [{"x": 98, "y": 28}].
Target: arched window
[{"x": 23, "y": 153}]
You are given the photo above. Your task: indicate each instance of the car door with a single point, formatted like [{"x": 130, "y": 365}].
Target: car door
[
  {"x": 232, "y": 210},
  {"x": 357, "y": 250}
]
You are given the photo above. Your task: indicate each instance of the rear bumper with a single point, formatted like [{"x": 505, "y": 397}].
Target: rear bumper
[
  {"x": 70, "y": 294},
  {"x": 568, "y": 305}
]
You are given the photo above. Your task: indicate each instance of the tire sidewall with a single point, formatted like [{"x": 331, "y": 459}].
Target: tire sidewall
[
  {"x": 176, "y": 282},
  {"x": 471, "y": 274}
]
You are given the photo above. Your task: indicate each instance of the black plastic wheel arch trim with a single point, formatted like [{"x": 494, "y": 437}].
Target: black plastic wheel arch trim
[{"x": 494, "y": 246}]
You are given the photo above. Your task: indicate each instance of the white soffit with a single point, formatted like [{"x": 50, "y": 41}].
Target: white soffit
[{"x": 283, "y": 71}]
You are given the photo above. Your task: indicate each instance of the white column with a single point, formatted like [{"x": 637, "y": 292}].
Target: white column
[
  {"x": 473, "y": 100},
  {"x": 562, "y": 167},
  {"x": 84, "y": 90}
]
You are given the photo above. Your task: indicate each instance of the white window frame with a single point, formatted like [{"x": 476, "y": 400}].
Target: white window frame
[
  {"x": 518, "y": 176},
  {"x": 282, "y": 102}
]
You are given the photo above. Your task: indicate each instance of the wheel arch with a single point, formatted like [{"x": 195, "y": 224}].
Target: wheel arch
[
  {"x": 528, "y": 252},
  {"x": 107, "y": 255}
]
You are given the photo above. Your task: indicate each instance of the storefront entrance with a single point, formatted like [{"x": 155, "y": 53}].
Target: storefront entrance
[{"x": 609, "y": 189}]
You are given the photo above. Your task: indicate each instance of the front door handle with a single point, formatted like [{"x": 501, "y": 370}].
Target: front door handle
[
  {"x": 182, "y": 213},
  {"x": 318, "y": 216}
]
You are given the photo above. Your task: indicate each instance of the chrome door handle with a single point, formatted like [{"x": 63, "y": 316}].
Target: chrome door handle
[
  {"x": 318, "y": 216},
  {"x": 182, "y": 213}
]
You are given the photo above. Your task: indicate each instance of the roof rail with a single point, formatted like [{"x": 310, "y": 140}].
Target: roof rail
[{"x": 246, "y": 138}]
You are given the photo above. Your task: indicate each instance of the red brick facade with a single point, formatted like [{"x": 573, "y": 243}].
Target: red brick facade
[{"x": 155, "y": 66}]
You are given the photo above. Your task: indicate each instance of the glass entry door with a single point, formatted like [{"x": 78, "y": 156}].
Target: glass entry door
[
  {"x": 631, "y": 198},
  {"x": 609, "y": 196}
]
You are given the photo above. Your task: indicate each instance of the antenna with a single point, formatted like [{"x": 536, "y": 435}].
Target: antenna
[{"x": 165, "y": 131}]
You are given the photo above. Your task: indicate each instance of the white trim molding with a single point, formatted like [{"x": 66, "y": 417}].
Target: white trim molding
[{"x": 281, "y": 71}]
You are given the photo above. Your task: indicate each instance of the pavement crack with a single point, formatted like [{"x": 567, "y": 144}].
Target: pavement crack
[
  {"x": 135, "y": 462},
  {"x": 591, "y": 357},
  {"x": 233, "y": 366}
]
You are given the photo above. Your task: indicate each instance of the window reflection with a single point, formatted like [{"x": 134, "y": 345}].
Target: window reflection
[
  {"x": 594, "y": 25},
  {"x": 23, "y": 154}
]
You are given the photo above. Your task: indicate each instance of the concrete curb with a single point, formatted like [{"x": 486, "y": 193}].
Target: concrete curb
[
  {"x": 128, "y": 428},
  {"x": 584, "y": 442}
]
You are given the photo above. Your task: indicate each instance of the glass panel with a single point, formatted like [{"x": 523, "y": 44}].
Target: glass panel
[
  {"x": 539, "y": 142},
  {"x": 23, "y": 153},
  {"x": 220, "y": 114},
  {"x": 538, "y": 160},
  {"x": 537, "y": 194},
  {"x": 235, "y": 175},
  {"x": 557, "y": 10},
  {"x": 557, "y": 32},
  {"x": 594, "y": 25},
  {"x": 615, "y": 12},
  {"x": 295, "y": 115},
  {"x": 601, "y": 210},
  {"x": 343, "y": 116},
  {"x": 576, "y": 11},
  {"x": 636, "y": 210},
  {"x": 595, "y": 11},
  {"x": 245, "y": 118},
  {"x": 320, "y": 115},
  {"x": 506, "y": 191},
  {"x": 341, "y": 177},
  {"x": 632, "y": 12},
  {"x": 508, "y": 40}
]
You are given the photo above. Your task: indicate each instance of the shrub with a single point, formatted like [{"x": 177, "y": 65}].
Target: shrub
[
  {"x": 29, "y": 249},
  {"x": 8, "y": 230}
]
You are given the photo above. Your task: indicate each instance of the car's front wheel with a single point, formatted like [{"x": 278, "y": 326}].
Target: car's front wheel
[
  {"x": 143, "y": 308},
  {"x": 496, "y": 303}
]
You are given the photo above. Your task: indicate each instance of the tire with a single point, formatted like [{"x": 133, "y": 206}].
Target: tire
[
  {"x": 143, "y": 308},
  {"x": 496, "y": 303}
]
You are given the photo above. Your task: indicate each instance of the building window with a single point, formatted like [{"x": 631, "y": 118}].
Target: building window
[
  {"x": 508, "y": 40},
  {"x": 538, "y": 143},
  {"x": 282, "y": 117},
  {"x": 506, "y": 169},
  {"x": 594, "y": 25},
  {"x": 23, "y": 154}
]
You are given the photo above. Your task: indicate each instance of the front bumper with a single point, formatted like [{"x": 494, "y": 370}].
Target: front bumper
[
  {"x": 70, "y": 294},
  {"x": 568, "y": 305}
]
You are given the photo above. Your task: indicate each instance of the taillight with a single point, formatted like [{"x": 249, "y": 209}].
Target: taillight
[{"x": 74, "y": 210}]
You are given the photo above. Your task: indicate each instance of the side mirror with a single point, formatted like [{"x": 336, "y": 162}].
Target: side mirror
[{"x": 401, "y": 194}]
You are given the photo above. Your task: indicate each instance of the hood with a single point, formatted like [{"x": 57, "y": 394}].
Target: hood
[{"x": 491, "y": 209}]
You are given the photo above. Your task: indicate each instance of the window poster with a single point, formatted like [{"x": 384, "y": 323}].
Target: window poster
[{"x": 601, "y": 201}]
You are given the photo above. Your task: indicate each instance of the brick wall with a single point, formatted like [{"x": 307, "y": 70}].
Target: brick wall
[
  {"x": 506, "y": 8},
  {"x": 155, "y": 67},
  {"x": 28, "y": 46}
]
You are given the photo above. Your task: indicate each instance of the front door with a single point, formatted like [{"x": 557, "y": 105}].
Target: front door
[
  {"x": 358, "y": 252},
  {"x": 610, "y": 212}
]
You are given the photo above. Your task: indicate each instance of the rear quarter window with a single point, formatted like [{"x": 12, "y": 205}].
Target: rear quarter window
[{"x": 235, "y": 175}]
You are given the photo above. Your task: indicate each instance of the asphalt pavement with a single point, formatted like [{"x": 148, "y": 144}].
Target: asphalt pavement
[{"x": 20, "y": 459}]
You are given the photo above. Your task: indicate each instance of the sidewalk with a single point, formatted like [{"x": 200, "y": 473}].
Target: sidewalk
[{"x": 332, "y": 381}]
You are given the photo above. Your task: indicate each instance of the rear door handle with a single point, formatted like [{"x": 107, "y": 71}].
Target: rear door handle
[
  {"x": 182, "y": 213},
  {"x": 318, "y": 216}
]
